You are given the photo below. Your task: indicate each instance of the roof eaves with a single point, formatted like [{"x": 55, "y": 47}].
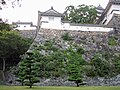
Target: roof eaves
[
  {"x": 51, "y": 12},
  {"x": 23, "y": 23},
  {"x": 115, "y": 1},
  {"x": 100, "y": 7}
]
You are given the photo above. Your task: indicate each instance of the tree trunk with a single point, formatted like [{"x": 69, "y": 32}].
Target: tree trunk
[
  {"x": 3, "y": 69},
  {"x": 3, "y": 65},
  {"x": 2, "y": 72},
  {"x": 22, "y": 83},
  {"x": 77, "y": 83},
  {"x": 30, "y": 86},
  {"x": 2, "y": 76}
]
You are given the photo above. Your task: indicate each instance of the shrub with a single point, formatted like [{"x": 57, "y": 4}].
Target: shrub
[
  {"x": 112, "y": 41},
  {"x": 66, "y": 37}
]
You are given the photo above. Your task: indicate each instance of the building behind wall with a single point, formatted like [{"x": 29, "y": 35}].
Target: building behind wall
[
  {"x": 99, "y": 10},
  {"x": 111, "y": 11},
  {"x": 24, "y": 25},
  {"x": 51, "y": 19}
]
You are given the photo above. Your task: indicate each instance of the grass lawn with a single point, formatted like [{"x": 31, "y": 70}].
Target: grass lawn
[{"x": 60, "y": 88}]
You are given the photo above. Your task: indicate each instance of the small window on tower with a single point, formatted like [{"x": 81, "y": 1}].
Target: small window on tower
[
  {"x": 51, "y": 18},
  {"x": 105, "y": 21}
]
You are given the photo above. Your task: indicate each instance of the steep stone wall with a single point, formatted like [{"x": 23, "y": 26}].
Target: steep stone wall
[
  {"x": 52, "y": 33},
  {"x": 92, "y": 42},
  {"x": 28, "y": 33}
]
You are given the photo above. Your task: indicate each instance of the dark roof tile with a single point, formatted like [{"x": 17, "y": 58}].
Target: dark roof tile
[
  {"x": 22, "y": 23},
  {"x": 100, "y": 7},
  {"x": 50, "y": 12}
]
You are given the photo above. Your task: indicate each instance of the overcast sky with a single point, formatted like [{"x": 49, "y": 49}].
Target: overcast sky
[{"x": 28, "y": 11}]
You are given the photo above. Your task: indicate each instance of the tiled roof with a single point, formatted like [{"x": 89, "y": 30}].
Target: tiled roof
[
  {"x": 114, "y": 1},
  {"x": 50, "y": 12},
  {"x": 30, "y": 23},
  {"x": 22, "y": 22},
  {"x": 100, "y": 7}
]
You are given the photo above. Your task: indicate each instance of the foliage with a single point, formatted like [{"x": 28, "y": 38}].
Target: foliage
[
  {"x": 13, "y": 45},
  {"x": 18, "y": 72},
  {"x": 66, "y": 37},
  {"x": 4, "y": 2},
  {"x": 83, "y": 14},
  {"x": 4, "y": 26},
  {"x": 89, "y": 71},
  {"x": 74, "y": 62},
  {"x": 52, "y": 61},
  {"x": 49, "y": 60},
  {"x": 56, "y": 66},
  {"x": 112, "y": 41},
  {"x": 100, "y": 66},
  {"x": 27, "y": 72},
  {"x": 104, "y": 64},
  {"x": 116, "y": 63},
  {"x": 80, "y": 50}
]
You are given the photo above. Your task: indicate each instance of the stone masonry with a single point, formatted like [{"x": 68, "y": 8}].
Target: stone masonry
[{"x": 92, "y": 42}]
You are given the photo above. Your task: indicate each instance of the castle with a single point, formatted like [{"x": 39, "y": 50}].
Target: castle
[
  {"x": 92, "y": 37},
  {"x": 51, "y": 19}
]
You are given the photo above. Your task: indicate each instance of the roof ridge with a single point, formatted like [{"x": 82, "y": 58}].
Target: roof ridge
[
  {"x": 51, "y": 12},
  {"x": 100, "y": 7},
  {"x": 52, "y": 9}
]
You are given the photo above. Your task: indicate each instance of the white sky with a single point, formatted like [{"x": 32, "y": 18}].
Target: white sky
[{"x": 28, "y": 11}]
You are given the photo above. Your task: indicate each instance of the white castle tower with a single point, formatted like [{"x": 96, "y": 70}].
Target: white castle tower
[{"x": 112, "y": 10}]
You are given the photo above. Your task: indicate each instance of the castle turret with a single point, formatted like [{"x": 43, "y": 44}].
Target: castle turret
[
  {"x": 49, "y": 19},
  {"x": 99, "y": 10},
  {"x": 112, "y": 9}
]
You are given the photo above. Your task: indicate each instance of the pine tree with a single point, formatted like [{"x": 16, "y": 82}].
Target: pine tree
[
  {"x": 19, "y": 73},
  {"x": 27, "y": 72},
  {"x": 75, "y": 73},
  {"x": 74, "y": 65}
]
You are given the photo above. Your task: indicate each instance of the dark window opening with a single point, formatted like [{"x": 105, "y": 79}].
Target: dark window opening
[{"x": 104, "y": 21}]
